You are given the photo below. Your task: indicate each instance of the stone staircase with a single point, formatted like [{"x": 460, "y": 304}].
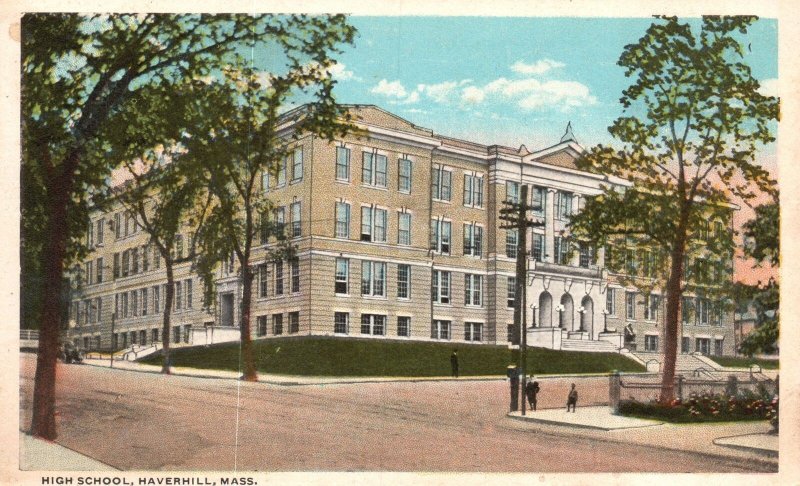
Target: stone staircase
[
  {"x": 588, "y": 346},
  {"x": 685, "y": 364}
]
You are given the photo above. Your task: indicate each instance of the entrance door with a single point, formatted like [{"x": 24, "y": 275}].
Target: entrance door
[{"x": 226, "y": 310}]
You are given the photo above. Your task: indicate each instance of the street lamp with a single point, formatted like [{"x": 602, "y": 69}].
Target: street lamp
[
  {"x": 533, "y": 308},
  {"x": 605, "y": 320},
  {"x": 581, "y": 310},
  {"x": 560, "y": 310}
]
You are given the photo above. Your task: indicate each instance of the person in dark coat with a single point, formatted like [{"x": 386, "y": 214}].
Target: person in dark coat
[
  {"x": 454, "y": 363},
  {"x": 531, "y": 389},
  {"x": 572, "y": 398}
]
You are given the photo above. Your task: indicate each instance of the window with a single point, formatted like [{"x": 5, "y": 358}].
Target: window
[
  {"x": 537, "y": 247},
  {"x": 685, "y": 345},
  {"x": 404, "y": 228},
  {"x": 539, "y": 201},
  {"x": 134, "y": 261},
  {"x": 261, "y": 322},
  {"x": 178, "y": 246},
  {"x": 473, "y": 239},
  {"x": 561, "y": 250},
  {"x": 651, "y": 343},
  {"x": 611, "y": 302},
  {"x": 265, "y": 181},
  {"x": 277, "y": 324},
  {"x": 342, "y": 164},
  {"x": 563, "y": 205},
  {"x": 88, "y": 270},
  {"x": 511, "y": 291},
  {"x": 144, "y": 301},
  {"x": 630, "y": 262},
  {"x": 441, "y": 183},
  {"x": 510, "y": 333},
  {"x": 279, "y": 277},
  {"x": 440, "y": 329},
  {"x": 373, "y": 172},
  {"x": 512, "y": 238},
  {"x": 403, "y": 281},
  {"x": 156, "y": 299},
  {"x": 472, "y": 289},
  {"x": 342, "y": 273},
  {"x": 263, "y": 228},
  {"x": 134, "y": 303},
  {"x": 297, "y": 164},
  {"x": 702, "y": 310},
  {"x": 473, "y": 331},
  {"x": 294, "y": 322},
  {"x": 440, "y": 287},
  {"x": 716, "y": 313},
  {"x": 341, "y": 322},
  {"x": 294, "y": 268},
  {"x": 188, "y": 286},
  {"x": 512, "y": 192},
  {"x": 585, "y": 254},
  {"x": 98, "y": 305},
  {"x": 630, "y": 305},
  {"x": 651, "y": 307},
  {"x": 440, "y": 236},
  {"x": 117, "y": 225},
  {"x": 294, "y": 211},
  {"x": 473, "y": 191},
  {"x": 263, "y": 280},
  {"x": 90, "y": 235},
  {"x": 145, "y": 258},
  {"x": 342, "y": 220},
  {"x": 373, "y": 224},
  {"x": 125, "y": 307},
  {"x": 126, "y": 262},
  {"x": 99, "y": 232},
  {"x": 687, "y": 309},
  {"x": 116, "y": 265},
  {"x": 718, "y": 347},
  {"x": 702, "y": 345},
  {"x": 404, "y": 175},
  {"x": 281, "y": 173},
  {"x": 177, "y": 300},
  {"x": 404, "y": 326},
  {"x": 176, "y": 334},
  {"x": 373, "y": 324},
  {"x": 373, "y": 279}
]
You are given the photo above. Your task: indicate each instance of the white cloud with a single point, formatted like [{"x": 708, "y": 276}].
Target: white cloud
[
  {"x": 539, "y": 67},
  {"x": 413, "y": 97},
  {"x": 769, "y": 87},
  {"x": 440, "y": 92},
  {"x": 340, "y": 72},
  {"x": 393, "y": 89},
  {"x": 530, "y": 94},
  {"x": 473, "y": 95}
]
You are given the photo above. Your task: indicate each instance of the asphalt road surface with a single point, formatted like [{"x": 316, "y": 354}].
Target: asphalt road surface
[{"x": 144, "y": 421}]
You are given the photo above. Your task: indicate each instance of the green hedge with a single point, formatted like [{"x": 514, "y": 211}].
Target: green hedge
[
  {"x": 741, "y": 362},
  {"x": 705, "y": 408}
]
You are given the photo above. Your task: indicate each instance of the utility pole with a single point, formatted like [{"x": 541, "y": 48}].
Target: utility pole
[{"x": 516, "y": 217}]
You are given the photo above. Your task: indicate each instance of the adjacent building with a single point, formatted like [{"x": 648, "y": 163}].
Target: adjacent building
[{"x": 398, "y": 236}]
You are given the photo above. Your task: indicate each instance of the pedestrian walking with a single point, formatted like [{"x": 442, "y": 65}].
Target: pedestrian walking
[
  {"x": 572, "y": 398},
  {"x": 454, "y": 363},
  {"x": 531, "y": 389}
]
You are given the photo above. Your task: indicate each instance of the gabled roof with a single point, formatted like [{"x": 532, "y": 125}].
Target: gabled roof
[{"x": 374, "y": 115}]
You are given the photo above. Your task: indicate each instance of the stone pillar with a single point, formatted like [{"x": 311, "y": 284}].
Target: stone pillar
[
  {"x": 614, "y": 391},
  {"x": 574, "y": 259},
  {"x": 549, "y": 226},
  {"x": 601, "y": 256}
]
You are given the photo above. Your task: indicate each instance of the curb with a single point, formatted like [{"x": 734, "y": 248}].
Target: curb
[
  {"x": 579, "y": 426},
  {"x": 758, "y": 450}
]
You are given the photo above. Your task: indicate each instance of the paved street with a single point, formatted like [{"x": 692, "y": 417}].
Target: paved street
[{"x": 143, "y": 421}]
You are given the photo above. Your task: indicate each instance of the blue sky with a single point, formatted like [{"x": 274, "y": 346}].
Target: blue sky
[{"x": 506, "y": 80}]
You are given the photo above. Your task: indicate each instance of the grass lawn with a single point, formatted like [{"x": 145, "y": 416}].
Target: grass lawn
[
  {"x": 740, "y": 362},
  {"x": 322, "y": 356}
]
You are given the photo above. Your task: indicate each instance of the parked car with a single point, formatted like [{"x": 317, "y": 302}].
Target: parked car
[{"x": 69, "y": 353}]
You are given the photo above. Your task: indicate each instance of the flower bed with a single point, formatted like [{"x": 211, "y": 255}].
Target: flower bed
[{"x": 707, "y": 407}]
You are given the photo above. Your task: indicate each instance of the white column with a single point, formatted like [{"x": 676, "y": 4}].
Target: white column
[
  {"x": 549, "y": 226},
  {"x": 575, "y": 259}
]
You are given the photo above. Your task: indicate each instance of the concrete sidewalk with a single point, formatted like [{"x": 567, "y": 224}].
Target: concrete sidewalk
[
  {"x": 41, "y": 455},
  {"x": 740, "y": 440}
]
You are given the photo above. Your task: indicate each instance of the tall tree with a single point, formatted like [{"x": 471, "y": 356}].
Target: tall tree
[
  {"x": 244, "y": 140},
  {"x": 79, "y": 74},
  {"x": 693, "y": 121}
]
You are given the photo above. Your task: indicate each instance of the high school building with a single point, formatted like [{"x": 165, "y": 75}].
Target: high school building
[{"x": 398, "y": 236}]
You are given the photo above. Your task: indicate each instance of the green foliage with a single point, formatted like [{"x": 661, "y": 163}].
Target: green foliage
[
  {"x": 319, "y": 356},
  {"x": 738, "y": 362},
  {"x": 762, "y": 240},
  {"x": 705, "y": 407}
]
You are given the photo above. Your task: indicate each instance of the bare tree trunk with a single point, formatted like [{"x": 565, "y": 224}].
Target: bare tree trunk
[
  {"x": 43, "y": 422},
  {"x": 248, "y": 363},
  {"x": 674, "y": 294},
  {"x": 169, "y": 296}
]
